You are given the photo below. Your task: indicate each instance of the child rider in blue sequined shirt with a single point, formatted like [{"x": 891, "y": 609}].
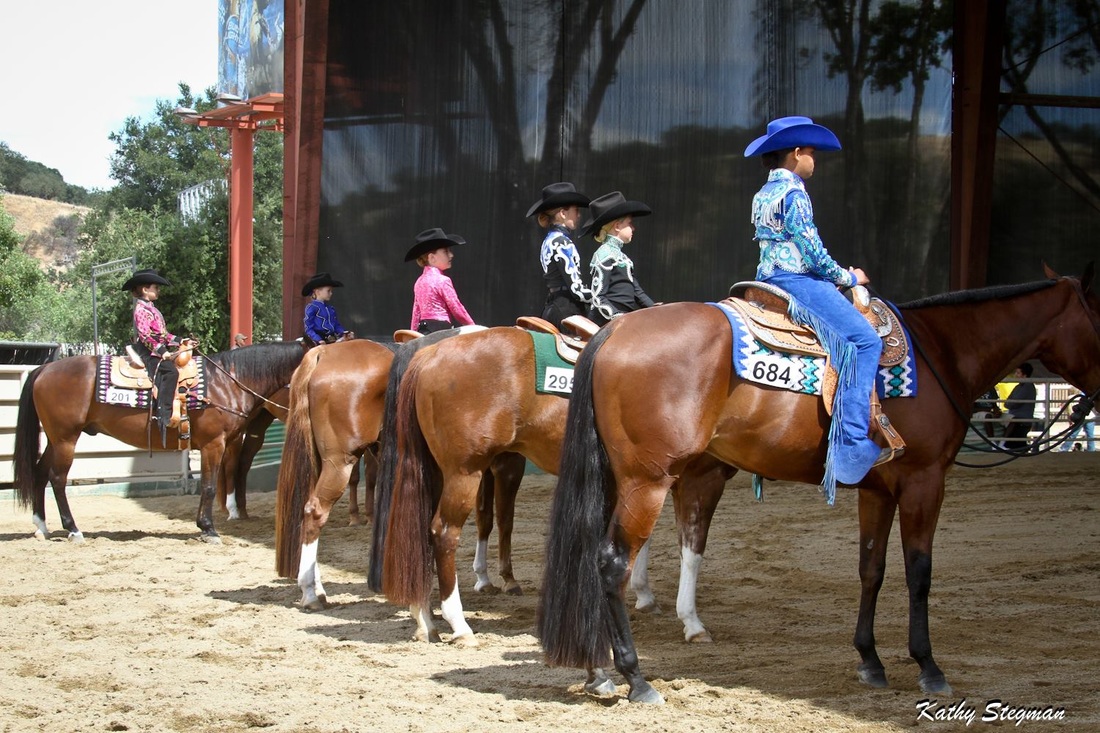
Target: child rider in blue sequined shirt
[{"x": 793, "y": 257}]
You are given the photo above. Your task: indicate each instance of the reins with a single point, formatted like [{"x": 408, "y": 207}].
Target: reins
[
  {"x": 1049, "y": 442},
  {"x": 239, "y": 383}
]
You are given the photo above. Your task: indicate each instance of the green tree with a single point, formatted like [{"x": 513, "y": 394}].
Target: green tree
[
  {"x": 29, "y": 178},
  {"x": 908, "y": 40},
  {"x": 156, "y": 158},
  {"x": 154, "y": 161},
  {"x": 20, "y": 278}
]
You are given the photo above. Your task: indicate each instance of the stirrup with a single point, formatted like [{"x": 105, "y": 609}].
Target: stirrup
[
  {"x": 895, "y": 446},
  {"x": 888, "y": 454}
]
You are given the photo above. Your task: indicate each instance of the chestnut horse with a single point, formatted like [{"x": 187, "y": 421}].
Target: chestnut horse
[
  {"x": 336, "y": 401},
  {"x": 464, "y": 407},
  {"x": 59, "y": 398},
  {"x": 656, "y": 389},
  {"x": 340, "y": 401}
]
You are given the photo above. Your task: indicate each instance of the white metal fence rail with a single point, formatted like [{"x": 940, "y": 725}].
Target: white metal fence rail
[
  {"x": 1054, "y": 402},
  {"x": 99, "y": 458}
]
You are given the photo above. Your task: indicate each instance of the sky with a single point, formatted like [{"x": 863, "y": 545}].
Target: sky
[{"x": 72, "y": 71}]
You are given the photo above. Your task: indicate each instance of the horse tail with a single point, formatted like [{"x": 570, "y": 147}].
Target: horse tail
[
  {"x": 298, "y": 472},
  {"x": 27, "y": 428},
  {"x": 387, "y": 453},
  {"x": 574, "y": 618},
  {"x": 408, "y": 560}
]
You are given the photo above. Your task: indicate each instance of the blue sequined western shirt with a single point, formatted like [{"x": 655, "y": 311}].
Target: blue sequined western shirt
[
  {"x": 784, "y": 221},
  {"x": 321, "y": 321}
]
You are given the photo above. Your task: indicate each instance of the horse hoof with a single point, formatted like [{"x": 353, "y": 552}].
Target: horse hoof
[
  {"x": 354, "y": 521},
  {"x": 513, "y": 589},
  {"x": 935, "y": 684},
  {"x": 644, "y": 693},
  {"x": 76, "y": 537},
  {"x": 317, "y": 604},
  {"x": 40, "y": 535},
  {"x": 432, "y": 637},
  {"x": 702, "y": 637},
  {"x": 651, "y": 608},
  {"x": 210, "y": 539},
  {"x": 872, "y": 677},
  {"x": 466, "y": 640},
  {"x": 600, "y": 687},
  {"x": 486, "y": 588}
]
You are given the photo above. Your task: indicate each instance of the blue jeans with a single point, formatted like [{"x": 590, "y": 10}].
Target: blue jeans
[
  {"x": 854, "y": 350},
  {"x": 1089, "y": 427}
]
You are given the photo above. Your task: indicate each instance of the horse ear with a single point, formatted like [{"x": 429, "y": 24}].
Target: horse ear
[
  {"x": 1086, "y": 279},
  {"x": 1051, "y": 274}
]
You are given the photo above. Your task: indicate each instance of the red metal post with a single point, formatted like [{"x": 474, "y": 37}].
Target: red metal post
[{"x": 240, "y": 232}]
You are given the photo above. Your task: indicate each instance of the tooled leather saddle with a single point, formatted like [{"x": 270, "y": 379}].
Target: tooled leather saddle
[
  {"x": 763, "y": 309},
  {"x": 129, "y": 372},
  {"x": 568, "y": 345}
]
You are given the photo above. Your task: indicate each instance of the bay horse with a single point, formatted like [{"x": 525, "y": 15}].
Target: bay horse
[
  {"x": 232, "y": 494},
  {"x": 59, "y": 399},
  {"x": 465, "y": 407},
  {"x": 655, "y": 390}
]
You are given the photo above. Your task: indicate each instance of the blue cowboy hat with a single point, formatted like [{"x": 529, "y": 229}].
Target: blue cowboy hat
[
  {"x": 557, "y": 195},
  {"x": 144, "y": 277},
  {"x": 430, "y": 240},
  {"x": 793, "y": 132}
]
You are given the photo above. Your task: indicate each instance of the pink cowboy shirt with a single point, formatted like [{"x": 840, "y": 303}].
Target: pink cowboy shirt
[
  {"x": 150, "y": 327},
  {"x": 435, "y": 299}
]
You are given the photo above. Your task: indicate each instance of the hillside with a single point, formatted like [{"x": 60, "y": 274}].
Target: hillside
[{"x": 48, "y": 227}]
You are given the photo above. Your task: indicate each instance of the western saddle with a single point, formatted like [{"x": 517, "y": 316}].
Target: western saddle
[
  {"x": 129, "y": 372},
  {"x": 568, "y": 345},
  {"x": 763, "y": 309}
]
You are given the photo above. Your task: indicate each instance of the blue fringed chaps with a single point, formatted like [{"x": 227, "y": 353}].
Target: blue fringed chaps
[{"x": 854, "y": 350}]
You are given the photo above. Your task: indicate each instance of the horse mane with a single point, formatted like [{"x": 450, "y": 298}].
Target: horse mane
[
  {"x": 977, "y": 295},
  {"x": 264, "y": 367}
]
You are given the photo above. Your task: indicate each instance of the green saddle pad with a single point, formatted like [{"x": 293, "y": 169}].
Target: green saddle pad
[{"x": 553, "y": 375}]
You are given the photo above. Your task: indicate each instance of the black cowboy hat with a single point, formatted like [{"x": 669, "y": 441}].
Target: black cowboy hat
[
  {"x": 556, "y": 195},
  {"x": 320, "y": 280},
  {"x": 430, "y": 240},
  {"x": 144, "y": 277},
  {"x": 608, "y": 208}
]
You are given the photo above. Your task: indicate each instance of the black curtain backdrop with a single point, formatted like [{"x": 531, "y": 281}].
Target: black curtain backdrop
[
  {"x": 1046, "y": 192},
  {"x": 455, "y": 114}
]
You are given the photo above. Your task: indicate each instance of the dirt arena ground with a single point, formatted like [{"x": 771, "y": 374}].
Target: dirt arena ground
[{"x": 143, "y": 628}]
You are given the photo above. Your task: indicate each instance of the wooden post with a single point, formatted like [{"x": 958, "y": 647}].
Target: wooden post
[{"x": 240, "y": 231}]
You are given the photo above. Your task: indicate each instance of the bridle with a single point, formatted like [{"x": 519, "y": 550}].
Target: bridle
[
  {"x": 245, "y": 387},
  {"x": 1049, "y": 442}
]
